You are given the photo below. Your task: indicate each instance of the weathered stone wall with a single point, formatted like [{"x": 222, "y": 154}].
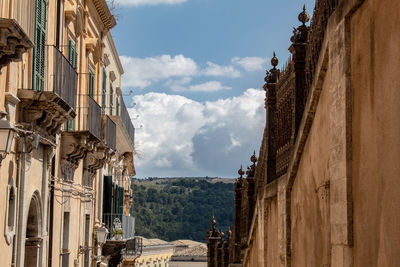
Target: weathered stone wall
[
  {"x": 310, "y": 218},
  {"x": 375, "y": 80},
  {"x": 271, "y": 232},
  {"x": 339, "y": 202}
]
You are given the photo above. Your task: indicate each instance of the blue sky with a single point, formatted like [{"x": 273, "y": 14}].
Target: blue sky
[{"x": 196, "y": 68}]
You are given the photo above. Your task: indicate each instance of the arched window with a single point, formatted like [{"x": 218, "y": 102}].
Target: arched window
[{"x": 11, "y": 211}]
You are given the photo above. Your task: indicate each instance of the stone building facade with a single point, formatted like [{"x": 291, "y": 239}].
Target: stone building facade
[
  {"x": 71, "y": 158},
  {"x": 325, "y": 190}
]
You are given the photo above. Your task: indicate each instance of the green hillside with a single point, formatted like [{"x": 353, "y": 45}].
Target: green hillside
[{"x": 181, "y": 208}]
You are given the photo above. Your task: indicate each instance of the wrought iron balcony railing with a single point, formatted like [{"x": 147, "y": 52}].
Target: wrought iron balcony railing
[
  {"x": 127, "y": 225},
  {"x": 126, "y": 119},
  {"x": 62, "y": 77},
  {"x": 93, "y": 122},
  {"x": 109, "y": 132},
  {"x": 65, "y": 78}
]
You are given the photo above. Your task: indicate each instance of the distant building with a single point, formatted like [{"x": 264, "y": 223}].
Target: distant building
[
  {"x": 155, "y": 253},
  {"x": 194, "y": 256}
]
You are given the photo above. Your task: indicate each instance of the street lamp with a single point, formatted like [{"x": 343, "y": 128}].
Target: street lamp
[
  {"x": 101, "y": 235},
  {"x": 7, "y": 131}
]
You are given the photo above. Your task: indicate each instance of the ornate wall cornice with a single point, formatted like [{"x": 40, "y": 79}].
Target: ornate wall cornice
[
  {"x": 105, "y": 14},
  {"x": 13, "y": 41}
]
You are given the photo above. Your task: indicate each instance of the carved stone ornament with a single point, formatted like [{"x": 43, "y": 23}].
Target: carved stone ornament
[
  {"x": 93, "y": 161},
  {"x": 45, "y": 112},
  {"x": 13, "y": 41},
  {"x": 68, "y": 170},
  {"x": 88, "y": 178},
  {"x": 75, "y": 145}
]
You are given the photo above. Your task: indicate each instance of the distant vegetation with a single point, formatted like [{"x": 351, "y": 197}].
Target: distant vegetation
[{"x": 181, "y": 208}]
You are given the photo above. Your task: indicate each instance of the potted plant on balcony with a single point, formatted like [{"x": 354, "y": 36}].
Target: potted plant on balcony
[{"x": 117, "y": 234}]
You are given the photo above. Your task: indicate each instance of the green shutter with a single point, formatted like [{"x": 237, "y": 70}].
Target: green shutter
[
  {"x": 120, "y": 200},
  {"x": 72, "y": 54},
  {"x": 70, "y": 125},
  {"x": 91, "y": 82},
  {"x": 111, "y": 98},
  {"x": 40, "y": 44},
  {"x": 104, "y": 90},
  {"x": 107, "y": 194},
  {"x": 117, "y": 107}
]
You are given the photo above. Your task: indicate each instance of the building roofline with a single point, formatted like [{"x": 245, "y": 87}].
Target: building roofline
[{"x": 115, "y": 52}]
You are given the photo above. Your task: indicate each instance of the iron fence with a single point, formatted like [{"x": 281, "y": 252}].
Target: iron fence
[
  {"x": 126, "y": 119},
  {"x": 109, "y": 132},
  {"x": 64, "y": 77},
  {"x": 94, "y": 118}
]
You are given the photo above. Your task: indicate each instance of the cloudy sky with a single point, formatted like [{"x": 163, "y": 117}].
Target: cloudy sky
[{"x": 196, "y": 70}]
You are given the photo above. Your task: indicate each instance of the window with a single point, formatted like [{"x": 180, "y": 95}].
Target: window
[
  {"x": 87, "y": 235},
  {"x": 11, "y": 208},
  {"x": 91, "y": 82},
  {"x": 72, "y": 54},
  {"x": 40, "y": 44},
  {"x": 111, "y": 98},
  {"x": 117, "y": 106},
  {"x": 104, "y": 90},
  {"x": 70, "y": 125},
  {"x": 65, "y": 240}
]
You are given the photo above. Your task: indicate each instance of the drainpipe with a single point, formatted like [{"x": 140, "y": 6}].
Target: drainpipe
[
  {"x": 51, "y": 213},
  {"x": 58, "y": 24},
  {"x": 23, "y": 168}
]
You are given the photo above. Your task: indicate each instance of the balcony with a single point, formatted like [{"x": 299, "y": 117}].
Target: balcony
[
  {"x": 64, "y": 76},
  {"x": 127, "y": 224},
  {"x": 126, "y": 120},
  {"x": 48, "y": 109},
  {"x": 109, "y": 132},
  {"x": 93, "y": 118},
  {"x": 83, "y": 140}
]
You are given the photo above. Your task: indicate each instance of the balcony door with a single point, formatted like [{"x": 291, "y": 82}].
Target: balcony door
[{"x": 40, "y": 45}]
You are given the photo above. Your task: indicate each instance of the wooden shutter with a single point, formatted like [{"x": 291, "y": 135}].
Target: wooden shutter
[
  {"x": 91, "y": 82},
  {"x": 111, "y": 98},
  {"x": 107, "y": 194},
  {"x": 120, "y": 200},
  {"x": 40, "y": 44},
  {"x": 72, "y": 54},
  {"x": 70, "y": 125},
  {"x": 104, "y": 90}
]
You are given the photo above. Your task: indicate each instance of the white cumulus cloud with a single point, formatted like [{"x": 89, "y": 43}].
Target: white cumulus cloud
[
  {"x": 211, "y": 86},
  {"x": 213, "y": 69},
  {"x": 142, "y": 72},
  {"x": 251, "y": 63},
  {"x": 185, "y": 137},
  {"x": 148, "y": 2}
]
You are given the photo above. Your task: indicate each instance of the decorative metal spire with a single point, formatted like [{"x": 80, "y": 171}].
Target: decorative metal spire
[
  {"x": 274, "y": 61},
  {"x": 213, "y": 222},
  {"x": 240, "y": 171},
  {"x": 300, "y": 33},
  {"x": 253, "y": 158},
  {"x": 272, "y": 74},
  {"x": 228, "y": 234},
  {"x": 303, "y": 16}
]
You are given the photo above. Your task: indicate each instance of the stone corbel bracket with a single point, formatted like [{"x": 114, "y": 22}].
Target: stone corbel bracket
[
  {"x": 69, "y": 11},
  {"x": 13, "y": 41},
  {"x": 44, "y": 111},
  {"x": 74, "y": 146},
  {"x": 130, "y": 167},
  {"x": 91, "y": 45},
  {"x": 94, "y": 160}
]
